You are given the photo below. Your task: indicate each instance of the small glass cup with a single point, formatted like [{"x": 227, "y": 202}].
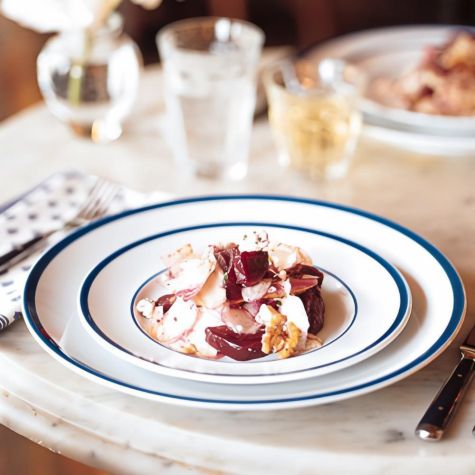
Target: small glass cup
[
  {"x": 313, "y": 112},
  {"x": 210, "y": 67}
]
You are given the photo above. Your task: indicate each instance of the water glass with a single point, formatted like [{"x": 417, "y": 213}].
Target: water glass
[
  {"x": 313, "y": 112},
  {"x": 210, "y": 69}
]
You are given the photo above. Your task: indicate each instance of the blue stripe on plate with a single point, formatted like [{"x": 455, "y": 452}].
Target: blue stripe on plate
[
  {"x": 396, "y": 276},
  {"x": 453, "y": 325}
]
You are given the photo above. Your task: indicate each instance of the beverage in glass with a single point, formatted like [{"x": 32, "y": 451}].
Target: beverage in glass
[
  {"x": 314, "y": 116},
  {"x": 209, "y": 69}
]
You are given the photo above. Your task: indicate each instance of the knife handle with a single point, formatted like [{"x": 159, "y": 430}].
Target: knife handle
[
  {"x": 433, "y": 422},
  {"x": 17, "y": 254}
]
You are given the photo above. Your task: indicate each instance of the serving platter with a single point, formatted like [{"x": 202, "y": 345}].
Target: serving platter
[
  {"x": 437, "y": 292},
  {"x": 388, "y": 53},
  {"x": 362, "y": 315}
]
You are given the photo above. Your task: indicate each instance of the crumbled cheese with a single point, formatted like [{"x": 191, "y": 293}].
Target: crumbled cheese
[
  {"x": 292, "y": 307},
  {"x": 287, "y": 287},
  {"x": 146, "y": 307},
  {"x": 264, "y": 315},
  {"x": 255, "y": 241}
]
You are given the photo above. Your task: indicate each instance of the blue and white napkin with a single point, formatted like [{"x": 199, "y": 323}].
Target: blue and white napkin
[{"x": 47, "y": 207}]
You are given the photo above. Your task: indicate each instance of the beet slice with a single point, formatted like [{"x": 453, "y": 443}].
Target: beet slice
[
  {"x": 233, "y": 290},
  {"x": 241, "y": 269},
  {"x": 299, "y": 270},
  {"x": 251, "y": 267},
  {"x": 298, "y": 286},
  {"x": 166, "y": 301},
  {"x": 226, "y": 258},
  {"x": 240, "y": 347},
  {"x": 315, "y": 307}
]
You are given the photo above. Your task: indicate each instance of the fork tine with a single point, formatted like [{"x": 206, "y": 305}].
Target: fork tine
[
  {"x": 99, "y": 188},
  {"x": 97, "y": 204},
  {"x": 104, "y": 203}
]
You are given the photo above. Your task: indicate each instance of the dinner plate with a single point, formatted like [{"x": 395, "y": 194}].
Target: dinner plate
[
  {"x": 362, "y": 315},
  {"x": 388, "y": 53},
  {"x": 438, "y": 302}
]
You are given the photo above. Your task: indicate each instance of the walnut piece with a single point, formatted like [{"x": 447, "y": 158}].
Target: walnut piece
[{"x": 280, "y": 336}]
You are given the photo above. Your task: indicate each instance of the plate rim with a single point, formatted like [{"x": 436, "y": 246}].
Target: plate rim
[
  {"x": 453, "y": 326},
  {"x": 398, "y": 322}
]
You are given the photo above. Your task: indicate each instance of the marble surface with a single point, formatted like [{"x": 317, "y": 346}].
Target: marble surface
[{"x": 370, "y": 434}]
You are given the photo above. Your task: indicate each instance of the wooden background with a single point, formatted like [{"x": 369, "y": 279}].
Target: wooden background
[{"x": 301, "y": 23}]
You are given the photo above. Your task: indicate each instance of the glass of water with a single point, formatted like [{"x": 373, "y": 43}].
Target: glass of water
[{"x": 210, "y": 67}]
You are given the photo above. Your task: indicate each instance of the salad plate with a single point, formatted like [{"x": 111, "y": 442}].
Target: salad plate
[
  {"x": 438, "y": 301},
  {"x": 362, "y": 316}
]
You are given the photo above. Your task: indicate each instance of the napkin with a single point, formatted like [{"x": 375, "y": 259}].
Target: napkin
[{"x": 47, "y": 207}]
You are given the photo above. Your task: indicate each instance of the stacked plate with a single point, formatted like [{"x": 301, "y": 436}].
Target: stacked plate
[
  {"x": 393, "y": 302},
  {"x": 388, "y": 53}
]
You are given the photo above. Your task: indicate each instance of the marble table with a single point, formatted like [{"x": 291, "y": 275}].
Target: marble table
[{"x": 370, "y": 434}]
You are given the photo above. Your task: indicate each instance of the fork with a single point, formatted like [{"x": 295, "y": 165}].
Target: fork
[{"x": 96, "y": 205}]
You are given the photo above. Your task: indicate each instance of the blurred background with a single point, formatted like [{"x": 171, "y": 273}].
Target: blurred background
[{"x": 299, "y": 23}]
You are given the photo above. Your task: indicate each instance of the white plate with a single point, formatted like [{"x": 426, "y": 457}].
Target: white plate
[
  {"x": 367, "y": 304},
  {"x": 389, "y": 52},
  {"x": 50, "y": 297},
  {"x": 422, "y": 143}
]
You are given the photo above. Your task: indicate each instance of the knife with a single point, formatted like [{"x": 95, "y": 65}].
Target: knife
[
  {"x": 434, "y": 421},
  {"x": 21, "y": 252}
]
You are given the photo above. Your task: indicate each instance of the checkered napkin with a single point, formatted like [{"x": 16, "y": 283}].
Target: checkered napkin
[{"x": 47, "y": 207}]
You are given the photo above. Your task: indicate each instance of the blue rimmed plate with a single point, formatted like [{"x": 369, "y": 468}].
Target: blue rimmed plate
[
  {"x": 367, "y": 304},
  {"x": 438, "y": 301}
]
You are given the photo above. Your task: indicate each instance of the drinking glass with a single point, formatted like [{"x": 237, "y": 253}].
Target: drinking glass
[
  {"x": 210, "y": 69},
  {"x": 313, "y": 112},
  {"x": 89, "y": 78}
]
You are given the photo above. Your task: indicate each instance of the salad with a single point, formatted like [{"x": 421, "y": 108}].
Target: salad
[
  {"x": 442, "y": 83},
  {"x": 242, "y": 300}
]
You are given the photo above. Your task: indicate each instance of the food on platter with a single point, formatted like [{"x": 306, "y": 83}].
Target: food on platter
[{"x": 443, "y": 83}]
